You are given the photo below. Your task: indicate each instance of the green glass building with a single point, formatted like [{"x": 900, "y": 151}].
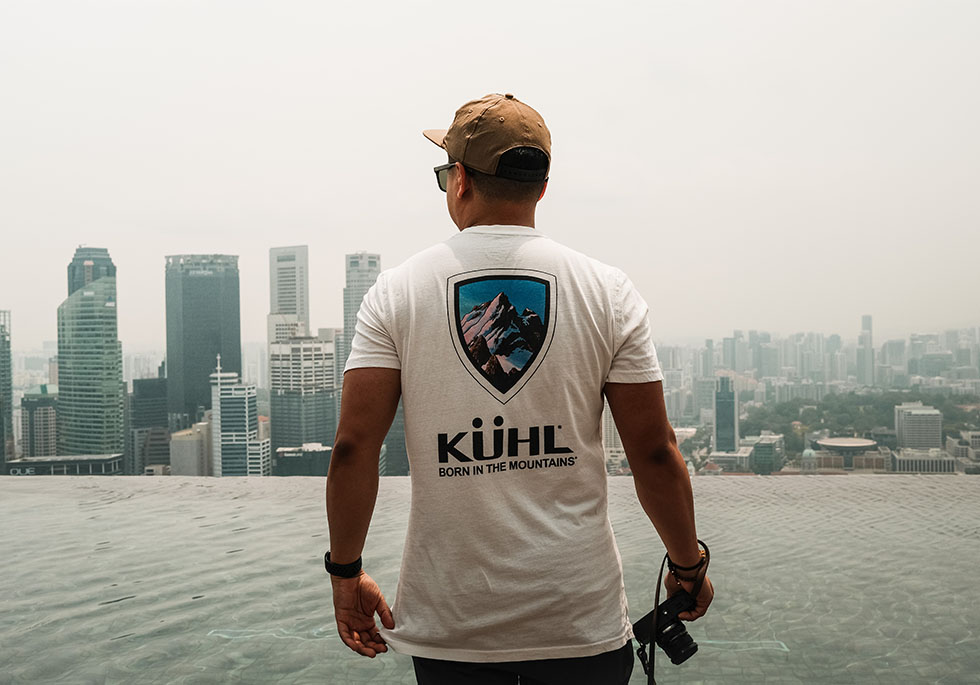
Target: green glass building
[
  {"x": 725, "y": 438},
  {"x": 6, "y": 393},
  {"x": 203, "y": 321},
  {"x": 91, "y": 391}
]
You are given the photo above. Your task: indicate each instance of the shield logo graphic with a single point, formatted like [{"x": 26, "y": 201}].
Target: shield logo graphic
[{"x": 502, "y": 322}]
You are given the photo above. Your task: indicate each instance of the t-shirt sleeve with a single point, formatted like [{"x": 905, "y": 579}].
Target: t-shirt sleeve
[
  {"x": 373, "y": 345},
  {"x": 634, "y": 357}
]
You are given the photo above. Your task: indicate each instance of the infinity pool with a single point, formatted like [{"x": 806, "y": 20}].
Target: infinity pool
[{"x": 854, "y": 579}]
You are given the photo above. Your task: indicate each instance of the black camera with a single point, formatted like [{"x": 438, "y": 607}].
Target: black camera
[
  {"x": 672, "y": 636},
  {"x": 663, "y": 625}
]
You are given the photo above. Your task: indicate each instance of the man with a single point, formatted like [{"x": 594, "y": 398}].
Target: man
[{"x": 501, "y": 344}]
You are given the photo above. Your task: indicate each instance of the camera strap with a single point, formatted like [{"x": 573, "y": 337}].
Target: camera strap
[{"x": 645, "y": 629}]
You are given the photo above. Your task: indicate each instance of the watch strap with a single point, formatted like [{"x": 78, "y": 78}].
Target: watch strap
[{"x": 341, "y": 570}]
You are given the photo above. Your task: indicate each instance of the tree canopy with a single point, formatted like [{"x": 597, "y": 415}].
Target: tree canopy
[{"x": 853, "y": 414}]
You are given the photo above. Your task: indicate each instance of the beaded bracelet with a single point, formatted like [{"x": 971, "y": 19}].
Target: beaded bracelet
[{"x": 674, "y": 568}]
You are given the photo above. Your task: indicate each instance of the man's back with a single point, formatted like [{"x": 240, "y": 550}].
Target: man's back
[{"x": 505, "y": 339}]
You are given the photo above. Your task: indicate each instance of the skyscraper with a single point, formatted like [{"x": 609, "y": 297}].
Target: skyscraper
[
  {"x": 149, "y": 434},
  {"x": 203, "y": 321},
  {"x": 89, "y": 264},
  {"x": 768, "y": 361},
  {"x": 6, "y": 392},
  {"x": 704, "y": 399},
  {"x": 918, "y": 426},
  {"x": 301, "y": 392},
  {"x": 302, "y": 368},
  {"x": 362, "y": 271},
  {"x": 728, "y": 353},
  {"x": 708, "y": 359},
  {"x": 39, "y": 422},
  {"x": 866, "y": 353},
  {"x": 283, "y": 327},
  {"x": 91, "y": 392},
  {"x": 236, "y": 447},
  {"x": 725, "y": 438},
  {"x": 289, "y": 284}
]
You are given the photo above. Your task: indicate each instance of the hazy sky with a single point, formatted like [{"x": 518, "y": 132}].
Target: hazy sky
[{"x": 777, "y": 165}]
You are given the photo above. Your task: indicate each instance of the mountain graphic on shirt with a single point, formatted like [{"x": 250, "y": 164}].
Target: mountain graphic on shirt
[{"x": 501, "y": 342}]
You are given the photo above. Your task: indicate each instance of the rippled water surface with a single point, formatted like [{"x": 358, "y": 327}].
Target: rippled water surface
[{"x": 856, "y": 579}]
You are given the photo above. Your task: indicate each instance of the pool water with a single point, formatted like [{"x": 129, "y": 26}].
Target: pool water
[{"x": 853, "y": 579}]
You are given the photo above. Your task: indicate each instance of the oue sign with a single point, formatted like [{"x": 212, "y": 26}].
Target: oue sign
[{"x": 26, "y": 471}]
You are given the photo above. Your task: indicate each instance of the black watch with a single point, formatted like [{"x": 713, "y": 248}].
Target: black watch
[{"x": 342, "y": 570}]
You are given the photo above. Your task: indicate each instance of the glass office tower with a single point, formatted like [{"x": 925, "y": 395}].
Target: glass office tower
[
  {"x": 91, "y": 391},
  {"x": 726, "y": 417},
  {"x": 203, "y": 321},
  {"x": 6, "y": 393}
]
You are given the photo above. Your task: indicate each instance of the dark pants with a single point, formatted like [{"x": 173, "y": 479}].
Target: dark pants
[{"x": 611, "y": 668}]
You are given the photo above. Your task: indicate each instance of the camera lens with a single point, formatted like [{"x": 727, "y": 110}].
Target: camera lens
[
  {"x": 681, "y": 646},
  {"x": 676, "y": 642}
]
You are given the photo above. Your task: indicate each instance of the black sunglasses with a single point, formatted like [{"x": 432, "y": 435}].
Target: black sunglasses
[{"x": 442, "y": 175}]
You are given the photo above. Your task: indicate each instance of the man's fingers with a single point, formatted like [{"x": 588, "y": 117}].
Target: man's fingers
[
  {"x": 372, "y": 638},
  {"x": 384, "y": 613},
  {"x": 349, "y": 636},
  {"x": 366, "y": 646},
  {"x": 360, "y": 642}
]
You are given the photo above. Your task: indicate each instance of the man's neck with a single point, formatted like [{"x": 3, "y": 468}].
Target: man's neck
[{"x": 520, "y": 216}]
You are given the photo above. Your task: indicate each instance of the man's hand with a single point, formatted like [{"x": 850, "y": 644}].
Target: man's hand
[
  {"x": 673, "y": 585},
  {"x": 355, "y": 601}
]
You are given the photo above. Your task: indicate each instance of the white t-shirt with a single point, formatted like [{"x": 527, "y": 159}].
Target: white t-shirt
[{"x": 504, "y": 339}]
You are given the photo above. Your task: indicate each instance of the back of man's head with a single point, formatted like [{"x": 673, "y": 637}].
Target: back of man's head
[
  {"x": 504, "y": 146},
  {"x": 496, "y": 188}
]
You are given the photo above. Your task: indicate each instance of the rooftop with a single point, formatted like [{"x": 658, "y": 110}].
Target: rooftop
[
  {"x": 65, "y": 458},
  {"x": 847, "y": 443},
  {"x": 42, "y": 390}
]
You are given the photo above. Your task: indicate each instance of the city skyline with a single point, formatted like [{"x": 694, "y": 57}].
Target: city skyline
[
  {"x": 704, "y": 384},
  {"x": 850, "y": 333}
]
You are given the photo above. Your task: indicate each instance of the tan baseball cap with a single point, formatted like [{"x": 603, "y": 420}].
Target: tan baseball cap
[{"x": 485, "y": 129}]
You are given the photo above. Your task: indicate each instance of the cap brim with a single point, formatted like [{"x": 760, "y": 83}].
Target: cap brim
[{"x": 436, "y": 135}]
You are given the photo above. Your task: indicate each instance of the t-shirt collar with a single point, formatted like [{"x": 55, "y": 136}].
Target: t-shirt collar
[{"x": 498, "y": 229}]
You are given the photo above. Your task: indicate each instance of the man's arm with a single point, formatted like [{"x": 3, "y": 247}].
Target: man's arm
[
  {"x": 369, "y": 400},
  {"x": 660, "y": 476}
]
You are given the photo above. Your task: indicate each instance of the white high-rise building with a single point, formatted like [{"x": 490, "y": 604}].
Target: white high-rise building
[
  {"x": 235, "y": 445},
  {"x": 918, "y": 427},
  {"x": 289, "y": 283},
  {"x": 284, "y": 326},
  {"x": 289, "y": 297},
  {"x": 302, "y": 392}
]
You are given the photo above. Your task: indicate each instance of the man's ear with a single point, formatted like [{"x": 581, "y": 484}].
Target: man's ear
[
  {"x": 543, "y": 189},
  {"x": 465, "y": 183}
]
